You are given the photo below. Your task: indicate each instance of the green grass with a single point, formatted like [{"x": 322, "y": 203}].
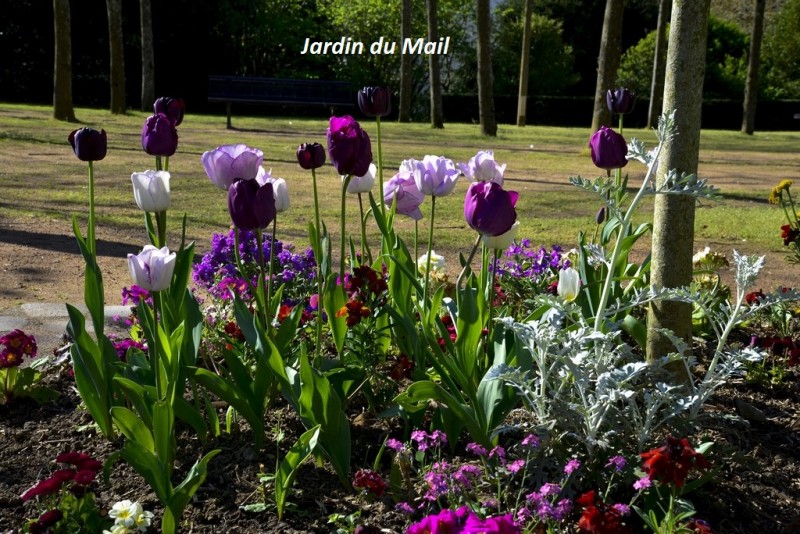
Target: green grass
[{"x": 41, "y": 179}]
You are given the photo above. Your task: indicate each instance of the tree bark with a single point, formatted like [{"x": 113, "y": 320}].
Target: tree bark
[
  {"x": 522, "y": 102},
  {"x": 62, "y": 67},
  {"x": 673, "y": 221},
  {"x": 404, "y": 109},
  {"x": 116, "y": 55},
  {"x": 434, "y": 69},
  {"x": 753, "y": 63},
  {"x": 485, "y": 77},
  {"x": 608, "y": 61},
  {"x": 148, "y": 56},
  {"x": 659, "y": 64}
]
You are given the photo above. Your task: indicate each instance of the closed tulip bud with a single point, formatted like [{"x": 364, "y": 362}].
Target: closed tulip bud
[
  {"x": 251, "y": 205},
  {"x": 620, "y": 101},
  {"x": 375, "y": 101},
  {"x": 362, "y": 184},
  {"x": 569, "y": 284},
  {"x": 608, "y": 149},
  {"x": 152, "y": 268},
  {"x": 311, "y": 156},
  {"x": 173, "y": 108},
  {"x": 489, "y": 209},
  {"x": 89, "y": 144},
  {"x": 601, "y": 215},
  {"x": 159, "y": 136},
  {"x": 151, "y": 190},
  {"x": 349, "y": 146}
]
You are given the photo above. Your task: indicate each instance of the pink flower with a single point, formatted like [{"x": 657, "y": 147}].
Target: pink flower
[{"x": 572, "y": 466}]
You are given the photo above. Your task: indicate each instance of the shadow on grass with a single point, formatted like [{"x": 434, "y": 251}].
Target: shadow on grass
[{"x": 64, "y": 244}]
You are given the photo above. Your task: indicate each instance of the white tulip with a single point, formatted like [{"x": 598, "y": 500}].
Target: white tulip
[
  {"x": 569, "y": 284},
  {"x": 362, "y": 184},
  {"x": 152, "y": 268},
  {"x": 502, "y": 241},
  {"x": 279, "y": 189},
  {"x": 151, "y": 190},
  {"x": 437, "y": 262}
]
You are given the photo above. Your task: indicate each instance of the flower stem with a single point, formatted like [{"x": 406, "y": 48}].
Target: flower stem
[
  {"x": 430, "y": 246},
  {"x": 159, "y": 167},
  {"x": 239, "y": 263},
  {"x": 161, "y": 225},
  {"x": 271, "y": 259},
  {"x": 380, "y": 162},
  {"x": 490, "y": 302},
  {"x": 90, "y": 235},
  {"x": 318, "y": 248},
  {"x": 416, "y": 239},
  {"x": 365, "y": 252},
  {"x": 469, "y": 262},
  {"x": 342, "y": 242},
  {"x": 166, "y": 163},
  {"x": 155, "y": 362}
]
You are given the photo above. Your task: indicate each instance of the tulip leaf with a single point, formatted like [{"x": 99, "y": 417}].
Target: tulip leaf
[
  {"x": 184, "y": 492},
  {"x": 93, "y": 294},
  {"x": 285, "y": 475},
  {"x": 139, "y": 398},
  {"x": 133, "y": 428},
  {"x": 164, "y": 433},
  {"x": 334, "y": 299}
]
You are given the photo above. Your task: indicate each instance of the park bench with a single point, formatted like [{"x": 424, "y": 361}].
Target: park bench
[{"x": 278, "y": 91}]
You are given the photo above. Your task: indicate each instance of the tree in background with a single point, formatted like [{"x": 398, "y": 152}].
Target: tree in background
[
  {"x": 485, "y": 76},
  {"x": 659, "y": 64},
  {"x": 116, "y": 56},
  {"x": 781, "y": 53},
  {"x": 524, "y": 63},
  {"x": 608, "y": 61},
  {"x": 62, "y": 68},
  {"x": 404, "y": 108},
  {"x": 434, "y": 70},
  {"x": 753, "y": 62},
  {"x": 148, "y": 56}
]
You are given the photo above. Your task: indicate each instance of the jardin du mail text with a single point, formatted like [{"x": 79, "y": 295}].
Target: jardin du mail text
[{"x": 346, "y": 46}]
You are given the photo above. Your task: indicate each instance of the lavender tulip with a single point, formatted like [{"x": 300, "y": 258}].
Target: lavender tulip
[
  {"x": 620, "y": 101},
  {"x": 483, "y": 168},
  {"x": 89, "y": 144},
  {"x": 152, "y": 268},
  {"x": 311, "y": 156},
  {"x": 375, "y": 101},
  {"x": 173, "y": 108},
  {"x": 435, "y": 176},
  {"x": 250, "y": 205},
  {"x": 362, "y": 184},
  {"x": 349, "y": 146},
  {"x": 402, "y": 188},
  {"x": 608, "y": 149},
  {"x": 227, "y": 163},
  {"x": 159, "y": 136},
  {"x": 490, "y": 209},
  {"x": 151, "y": 190}
]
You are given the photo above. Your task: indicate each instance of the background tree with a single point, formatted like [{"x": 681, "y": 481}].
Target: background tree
[
  {"x": 673, "y": 218},
  {"x": 485, "y": 79},
  {"x": 753, "y": 63},
  {"x": 148, "y": 56},
  {"x": 116, "y": 55},
  {"x": 608, "y": 61},
  {"x": 62, "y": 68},
  {"x": 781, "y": 53},
  {"x": 404, "y": 108},
  {"x": 522, "y": 103},
  {"x": 659, "y": 64},
  {"x": 434, "y": 71}
]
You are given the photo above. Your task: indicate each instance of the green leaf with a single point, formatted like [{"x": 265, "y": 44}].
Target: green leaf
[
  {"x": 164, "y": 433},
  {"x": 93, "y": 294},
  {"x": 185, "y": 490},
  {"x": 285, "y": 475},
  {"x": 133, "y": 428},
  {"x": 139, "y": 398},
  {"x": 333, "y": 300}
]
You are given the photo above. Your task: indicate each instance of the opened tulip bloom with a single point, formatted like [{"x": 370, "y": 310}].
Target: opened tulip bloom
[
  {"x": 279, "y": 189},
  {"x": 311, "y": 156},
  {"x": 403, "y": 189},
  {"x": 251, "y": 206},
  {"x": 608, "y": 149},
  {"x": 349, "y": 146},
  {"x": 489, "y": 209},
  {"x": 152, "y": 268},
  {"x": 159, "y": 136},
  {"x": 151, "y": 190},
  {"x": 375, "y": 101},
  {"x": 173, "y": 108},
  {"x": 483, "y": 168},
  {"x": 362, "y": 184},
  {"x": 89, "y": 144},
  {"x": 435, "y": 176},
  {"x": 569, "y": 284},
  {"x": 228, "y": 163}
]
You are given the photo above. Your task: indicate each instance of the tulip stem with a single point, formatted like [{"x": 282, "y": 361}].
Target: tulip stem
[
  {"x": 365, "y": 252},
  {"x": 342, "y": 243},
  {"x": 166, "y": 164},
  {"x": 416, "y": 239},
  {"x": 161, "y": 223},
  {"x": 90, "y": 232},
  {"x": 430, "y": 246},
  {"x": 155, "y": 362},
  {"x": 271, "y": 259},
  {"x": 380, "y": 161},
  {"x": 239, "y": 263},
  {"x": 159, "y": 167},
  {"x": 468, "y": 263},
  {"x": 490, "y": 303},
  {"x": 318, "y": 249}
]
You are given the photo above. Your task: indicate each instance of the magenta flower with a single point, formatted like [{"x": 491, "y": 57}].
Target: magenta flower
[
  {"x": 501, "y": 524},
  {"x": 608, "y": 149},
  {"x": 89, "y": 144},
  {"x": 572, "y": 466},
  {"x": 489, "y": 209},
  {"x": 619, "y": 463},
  {"x": 375, "y": 101},
  {"x": 403, "y": 189},
  {"x": 173, "y": 108},
  {"x": 251, "y": 206},
  {"x": 435, "y": 176},
  {"x": 516, "y": 466},
  {"x": 159, "y": 136},
  {"x": 643, "y": 483},
  {"x": 395, "y": 445},
  {"x": 349, "y": 146},
  {"x": 477, "y": 449},
  {"x": 530, "y": 441},
  {"x": 483, "y": 168},
  {"x": 227, "y": 163}
]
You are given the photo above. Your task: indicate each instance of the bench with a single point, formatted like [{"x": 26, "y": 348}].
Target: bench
[{"x": 278, "y": 91}]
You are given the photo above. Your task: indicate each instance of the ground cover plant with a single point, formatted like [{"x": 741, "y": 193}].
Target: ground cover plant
[{"x": 506, "y": 392}]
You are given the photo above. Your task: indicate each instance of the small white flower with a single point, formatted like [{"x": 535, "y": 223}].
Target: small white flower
[
  {"x": 362, "y": 184},
  {"x": 502, "y": 241},
  {"x": 144, "y": 520},
  {"x": 124, "y": 513},
  {"x": 569, "y": 284},
  {"x": 700, "y": 256},
  {"x": 117, "y": 529},
  {"x": 437, "y": 262},
  {"x": 151, "y": 190}
]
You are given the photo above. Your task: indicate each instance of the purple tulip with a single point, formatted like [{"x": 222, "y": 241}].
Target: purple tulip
[
  {"x": 89, "y": 144},
  {"x": 435, "y": 176},
  {"x": 483, "y": 168},
  {"x": 311, "y": 156},
  {"x": 490, "y": 209},
  {"x": 620, "y": 101},
  {"x": 375, "y": 101},
  {"x": 251, "y": 206},
  {"x": 403, "y": 188},
  {"x": 349, "y": 146},
  {"x": 159, "y": 136},
  {"x": 608, "y": 149},
  {"x": 173, "y": 108},
  {"x": 227, "y": 163}
]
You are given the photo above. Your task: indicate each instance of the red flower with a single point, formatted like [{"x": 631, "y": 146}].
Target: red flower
[
  {"x": 233, "y": 330},
  {"x": 45, "y": 521},
  {"x": 672, "y": 462},
  {"x": 789, "y": 234},
  {"x": 18, "y": 345},
  {"x": 402, "y": 368},
  {"x": 355, "y": 311},
  {"x": 698, "y": 526},
  {"x": 85, "y": 477},
  {"x": 284, "y": 312},
  {"x": 47, "y": 486},
  {"x": 370, "y": 481},
  {"x": 598, "y": 517},
  {"x": 753, "y": 297}
]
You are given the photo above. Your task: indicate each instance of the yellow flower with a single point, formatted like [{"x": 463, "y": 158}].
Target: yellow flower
[{"x": 775, "y": 194}]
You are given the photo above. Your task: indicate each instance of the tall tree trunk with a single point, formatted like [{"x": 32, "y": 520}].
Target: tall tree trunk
[
  {"x": 673, "y": 220},
  {"x": 62, "y": 67},
  {"x": 434, "y": 69},
  {"x": 522, "y": 102},
  {"x": 485, "y": 77},
  {"x": 659, "y": 64},
  {"x": 608, "y": 61},
  {"x": 148, "y": 56},
  {"x": 117, "y": 60},
  {"x": 404, "y": 109},
  {"x": 751, "y": 87}
]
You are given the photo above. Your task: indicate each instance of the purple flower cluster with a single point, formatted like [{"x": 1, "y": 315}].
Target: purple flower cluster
[
  {"x": 463, "y": 521},
  {"x": 544, "y": 505},
  {"x": 525, "y": 262},
  {"x": 133, "y": 295},
  {"x": 425, "y": 441}
]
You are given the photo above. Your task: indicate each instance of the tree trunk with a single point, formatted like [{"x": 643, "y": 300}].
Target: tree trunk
[
  {"x": 657, "y": 83},
  {"x": 62, "y": 67},
  {"x": 117, "y": 61},
  {"x": 754, "y": 60},
  {"x": 434, "y": 69},
  {"x": 148, "y": 56},
  {"x": 673, "y": 218},
  {"x": 485, "y": 77},
  {"x": 522, "y": 102},
  {"x": 608, "y": 61},
  {"x": 404, "y": 109}
]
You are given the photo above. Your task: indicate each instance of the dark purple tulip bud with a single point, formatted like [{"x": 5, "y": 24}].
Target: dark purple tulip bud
[
  {"x": 349, "y": 146},
  {"x": 490, "y": 209},
  {"x": 608, "y": 149},
  {"x": 89, "y": 144},
  {"x": 375, "y": 101},
  {"x": 620, "y": 101},
  {"x": 601, "y": 215},
  {"x": 311, "y": 156},
  {"x": 159, "y": 136},
  {"x": 251, "y": 206},
  {"x": 173, "y": 108}
]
